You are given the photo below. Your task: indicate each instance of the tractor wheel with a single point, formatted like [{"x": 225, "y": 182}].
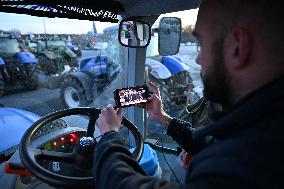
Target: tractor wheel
[
  {"x": 47, "y": 66},
  {"x": 73, "y": 94},
  {"x": 2, "y": 85},
  {"x": 31, "y": 81}
]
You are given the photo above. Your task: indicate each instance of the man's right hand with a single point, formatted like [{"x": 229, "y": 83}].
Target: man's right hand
[{"x": 155, "y": 109}]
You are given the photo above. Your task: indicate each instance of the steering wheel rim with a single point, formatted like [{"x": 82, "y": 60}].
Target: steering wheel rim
[{"x": 29, "y": 154}]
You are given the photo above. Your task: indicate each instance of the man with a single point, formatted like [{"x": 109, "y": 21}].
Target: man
[{"x": 242, "y": 63}]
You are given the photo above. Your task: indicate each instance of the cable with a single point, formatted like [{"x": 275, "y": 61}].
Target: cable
[
  {"x": 98, "y": 136},
  {"x": 178, "y": 181}
]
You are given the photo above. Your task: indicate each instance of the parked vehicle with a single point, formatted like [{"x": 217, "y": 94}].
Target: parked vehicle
[
  {"x": 82, "y": 87},
  {"x": 53, "y": 54},
  {"x": 18, "y": 68},
  {"x": 172, "y": 77}
]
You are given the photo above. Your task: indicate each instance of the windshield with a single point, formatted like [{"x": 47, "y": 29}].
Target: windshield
[
  {"x": 56, "y": 43},
  {"x": 90, "y": 39},
  {"x": 8, "y": 45},
  {"x": 49, "y": 81}
]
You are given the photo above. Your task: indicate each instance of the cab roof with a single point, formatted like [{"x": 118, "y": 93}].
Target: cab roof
[{"x": 97, "y": 10}]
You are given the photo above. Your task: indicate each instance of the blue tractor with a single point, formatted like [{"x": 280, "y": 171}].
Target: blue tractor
[
  {"x": 17, "y": 67},
  {"x": 81, "y": 88},
  {"x": 172, "y": 77}
]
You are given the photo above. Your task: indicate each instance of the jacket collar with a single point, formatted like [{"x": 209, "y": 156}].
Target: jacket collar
[{"x": 264, "y": 101}]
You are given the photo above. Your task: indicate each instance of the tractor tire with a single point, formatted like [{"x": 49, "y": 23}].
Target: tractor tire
[
  {"x": 31, "y": 81},
  {"x": 47, "y": 66},
  {"x": 2, "y": 85},
  {"x": 73, "y": 94}
]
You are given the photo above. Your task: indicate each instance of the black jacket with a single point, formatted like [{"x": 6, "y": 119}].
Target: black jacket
[{"x": 243, "y": 149}]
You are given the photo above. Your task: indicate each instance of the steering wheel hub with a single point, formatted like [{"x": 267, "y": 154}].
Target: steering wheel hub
[{"x": 87, "y": 142}]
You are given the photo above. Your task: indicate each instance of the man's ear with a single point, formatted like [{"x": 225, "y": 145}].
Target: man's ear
[{"x": 238, "y": 47}]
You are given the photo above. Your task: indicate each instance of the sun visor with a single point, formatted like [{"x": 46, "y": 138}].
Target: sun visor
[{"x": 106, "y": 11}]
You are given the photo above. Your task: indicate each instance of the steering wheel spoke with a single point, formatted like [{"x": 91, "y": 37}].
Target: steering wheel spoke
[
  {"x": 55, "y": 156},
  {"x": 91, "y": 125}
]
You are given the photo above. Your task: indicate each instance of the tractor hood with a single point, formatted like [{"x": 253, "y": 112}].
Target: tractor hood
[
  {"x": 157, "y": 69},
  {"x": 175, "y": 65},
  {"x": 13, "y": 123}
]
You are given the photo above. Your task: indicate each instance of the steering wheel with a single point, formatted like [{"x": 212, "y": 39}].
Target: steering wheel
[{"x": 29, "y": 154}]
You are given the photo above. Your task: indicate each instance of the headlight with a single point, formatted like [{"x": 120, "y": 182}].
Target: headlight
[{"x": 75, "y": 48}]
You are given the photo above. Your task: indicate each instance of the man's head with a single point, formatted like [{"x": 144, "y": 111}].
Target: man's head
[{"x": 242, "y": 45}]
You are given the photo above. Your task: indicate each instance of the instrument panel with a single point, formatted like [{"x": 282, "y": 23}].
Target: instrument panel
[{"x": 64, "y": 143}]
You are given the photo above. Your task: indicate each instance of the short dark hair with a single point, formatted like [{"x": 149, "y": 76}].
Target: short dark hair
[{"x": 265, "y": 18}]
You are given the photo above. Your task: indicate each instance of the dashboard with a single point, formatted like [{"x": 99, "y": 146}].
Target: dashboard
[{"x": 64, "y": 143}]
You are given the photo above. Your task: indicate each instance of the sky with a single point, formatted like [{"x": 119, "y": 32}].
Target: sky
[{"x": 33, "y": 24}]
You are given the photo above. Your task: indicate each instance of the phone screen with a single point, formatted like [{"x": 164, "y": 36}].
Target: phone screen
[{"x": 131, "y": 96}]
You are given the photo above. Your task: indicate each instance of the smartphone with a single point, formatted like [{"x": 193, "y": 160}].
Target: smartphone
[{"x": 131, "y": 96}]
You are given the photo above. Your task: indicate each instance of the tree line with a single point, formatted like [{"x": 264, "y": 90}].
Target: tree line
[{"x": 186, "y": 34}]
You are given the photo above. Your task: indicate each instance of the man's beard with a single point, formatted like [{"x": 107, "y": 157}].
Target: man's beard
[{"x": 216, "y": 81}]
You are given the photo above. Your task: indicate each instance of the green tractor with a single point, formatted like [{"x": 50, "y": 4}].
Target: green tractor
[{"x": 53, "y": 55}]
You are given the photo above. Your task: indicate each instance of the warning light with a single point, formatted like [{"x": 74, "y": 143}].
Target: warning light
[
  {"x": 54, "y": 143},
  {"x": 73, "y": 138},
  {"x": 62, "y": 139}
]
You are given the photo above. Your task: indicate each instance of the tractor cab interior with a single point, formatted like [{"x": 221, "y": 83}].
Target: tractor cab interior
[{"x": 50, "y": 99}]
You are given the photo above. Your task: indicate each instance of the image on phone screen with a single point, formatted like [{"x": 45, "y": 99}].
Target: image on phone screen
[{"x": 131, "y": 96}]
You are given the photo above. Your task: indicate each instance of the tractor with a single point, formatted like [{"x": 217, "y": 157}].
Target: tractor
[
  {"x": 172, "y": 77},
  {"x": 82, "y": 87},
  {"x": 53, "y": 54},
  {"x": 17, "y": 66}
]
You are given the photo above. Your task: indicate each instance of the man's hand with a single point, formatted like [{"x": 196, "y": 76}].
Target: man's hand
[
  {"x": 109, "y": 119},
  {"x": 155, "y": 109},
  {"x": 154, "y": 105}
]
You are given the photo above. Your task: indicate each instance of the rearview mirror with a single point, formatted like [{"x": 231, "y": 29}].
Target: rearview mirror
[
  {"x": 133, "y": 33},
  {"x": 169, "y": 35}
]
